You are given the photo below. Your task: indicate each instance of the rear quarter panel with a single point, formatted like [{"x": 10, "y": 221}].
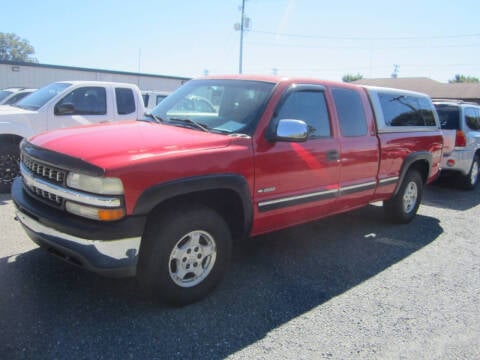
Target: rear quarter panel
[{"x": 396, "y": 146}]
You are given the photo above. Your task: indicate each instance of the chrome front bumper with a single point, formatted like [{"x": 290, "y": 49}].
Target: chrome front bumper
[{"x": 116, "y": 257}]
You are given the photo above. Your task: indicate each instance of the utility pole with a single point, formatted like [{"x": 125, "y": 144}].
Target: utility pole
[
  {"x": 240, "y": 61},
  {"x": 242, "y": 26},
  {"x": 396, "y": 68}
]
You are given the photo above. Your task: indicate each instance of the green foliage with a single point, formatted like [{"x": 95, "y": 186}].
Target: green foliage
[
  {"x": 351, "y": 77},
  {"x": 463, "y": 79},
  {"x": 14, "y": 48}
]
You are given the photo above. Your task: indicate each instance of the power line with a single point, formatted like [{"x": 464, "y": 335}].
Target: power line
[
  {"x": 366, "y": 38},
  {"x": 359, "y": 47},
  {"x": 364, "y": 67}
]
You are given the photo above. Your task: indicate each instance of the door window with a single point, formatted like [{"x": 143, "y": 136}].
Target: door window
[
  {"x": 351, "y": 114},
  {"x": 472, "y": 117},
  {"x": 84, "y": 101},
  {"x": 125, "y": 101},
  {"x": 309, "y": 106}
]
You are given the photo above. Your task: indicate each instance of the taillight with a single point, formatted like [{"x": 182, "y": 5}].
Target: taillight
[{"x": 460, "y": 139}]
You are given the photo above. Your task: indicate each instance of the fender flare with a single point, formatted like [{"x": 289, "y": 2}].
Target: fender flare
[
  {"x": 159, "y": 193},
  {"x": 407, "y": 163}
]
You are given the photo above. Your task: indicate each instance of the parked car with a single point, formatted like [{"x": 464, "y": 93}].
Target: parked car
[
  {"x": 152, "y": 98},
  {"x": 4, "y": 93},
  {"x": 464, "y": 119},
  {"x": 11, "y": 96},
  {"x": 164, "y": 199},
  {"x": 60, "y": 105}
]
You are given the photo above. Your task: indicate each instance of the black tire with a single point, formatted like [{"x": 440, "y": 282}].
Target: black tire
[
  {"x": 470, "y": 181},
  {"x": 184, "y": 254},
  {"x": 402, "y": 208},
  {"x": 9, "y": 165}
]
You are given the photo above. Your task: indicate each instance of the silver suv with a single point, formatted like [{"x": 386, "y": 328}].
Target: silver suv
[{"x": 464, "y": 118}]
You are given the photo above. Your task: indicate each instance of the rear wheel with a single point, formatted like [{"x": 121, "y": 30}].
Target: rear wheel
[
  {"x": 470, "y": 181},
  {"x": 9, "y": 165},
  {"x": 184, "y": 254},
  {"x": 403, "y": 207}
]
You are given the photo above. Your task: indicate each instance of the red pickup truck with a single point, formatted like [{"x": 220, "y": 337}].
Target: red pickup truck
[{"x": 222, "y": 159}]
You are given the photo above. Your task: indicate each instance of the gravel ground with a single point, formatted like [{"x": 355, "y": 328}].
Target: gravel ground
[{"x": 348, "y": 287}]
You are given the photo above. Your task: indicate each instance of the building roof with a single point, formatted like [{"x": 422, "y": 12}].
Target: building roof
[
  {"x": 435, "y": 89},
  {"x": 61, "y": 67}
]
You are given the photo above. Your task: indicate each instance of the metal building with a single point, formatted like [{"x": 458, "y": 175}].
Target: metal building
[
  {"x": 32, "y": 75},
  {"x": 435, "y": 89}
]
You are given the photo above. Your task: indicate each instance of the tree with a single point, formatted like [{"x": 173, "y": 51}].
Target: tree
[
  {"x": 14, "y": 48},
  {"x": 351, "y": 77},
  {"x": 463, "y": 79}
]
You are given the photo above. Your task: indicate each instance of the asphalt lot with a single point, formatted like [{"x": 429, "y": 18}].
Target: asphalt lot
[{"x": 349, "y": 286}]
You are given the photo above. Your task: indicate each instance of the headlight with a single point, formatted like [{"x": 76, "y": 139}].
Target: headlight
[
  {"x": 93, "y": 184},
  {"x": 93, "y": 212}
]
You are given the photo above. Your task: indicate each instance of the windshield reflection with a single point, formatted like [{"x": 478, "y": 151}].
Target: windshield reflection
[{"x": 223, "y": 106}]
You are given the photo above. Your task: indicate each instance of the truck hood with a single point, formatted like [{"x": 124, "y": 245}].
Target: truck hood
[
  {"x": 105, "y": 145},
  {"x": 7, "y": 110},
  {"x": 20, "y": 122}
]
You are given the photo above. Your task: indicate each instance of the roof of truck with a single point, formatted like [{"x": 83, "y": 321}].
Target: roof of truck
[
  {"x": 277, "y": 79},
  {"x": 94, "y": 82}
]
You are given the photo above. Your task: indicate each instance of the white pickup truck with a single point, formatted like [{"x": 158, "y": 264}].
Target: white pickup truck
[{"x": 59, "y": 105}]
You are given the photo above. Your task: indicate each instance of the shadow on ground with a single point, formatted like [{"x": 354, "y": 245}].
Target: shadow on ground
[
  {"x": 49, "y": 309},
  {"x": 446, "y": 195}
]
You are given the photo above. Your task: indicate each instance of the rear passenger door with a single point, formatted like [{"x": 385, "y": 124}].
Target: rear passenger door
[{"x": 359, "y": 152}]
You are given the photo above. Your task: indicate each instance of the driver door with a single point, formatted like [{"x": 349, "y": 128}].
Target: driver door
[
  {"x": 82, "y": 106},
  {"x": 297, "y": 181}
]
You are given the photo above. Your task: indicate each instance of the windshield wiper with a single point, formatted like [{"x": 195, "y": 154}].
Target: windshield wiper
[
  {"x": 158, "y": 119},
  {"x": 202, "y": 127}
]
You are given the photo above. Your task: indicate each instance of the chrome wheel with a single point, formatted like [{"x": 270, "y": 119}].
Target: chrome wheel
[
  {"x": 192, "y": 258},
  {"x": 474, "y": 173},
  {"x": 410, "y": 197}
]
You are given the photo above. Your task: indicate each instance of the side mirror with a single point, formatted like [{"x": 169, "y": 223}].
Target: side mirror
[
  {"x": 64, "y": 109},
  {"x": 291, "y": 130}
]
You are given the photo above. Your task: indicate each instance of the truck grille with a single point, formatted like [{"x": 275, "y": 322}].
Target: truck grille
[
  {"x": 46, "y": 196},
  {"x": 44, "y": 171},
  {"x": 48, "y": 173}
]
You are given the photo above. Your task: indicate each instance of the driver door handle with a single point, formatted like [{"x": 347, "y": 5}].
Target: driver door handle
[{"x": 333, "y": 155}]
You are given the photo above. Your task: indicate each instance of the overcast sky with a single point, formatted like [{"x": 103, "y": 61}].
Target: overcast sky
[{"x": 318, "y": 38}]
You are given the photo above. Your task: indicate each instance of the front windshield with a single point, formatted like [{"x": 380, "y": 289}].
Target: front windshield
[
  {"x": 40, "y": 97},
  {"x": 223, "y": 106}
]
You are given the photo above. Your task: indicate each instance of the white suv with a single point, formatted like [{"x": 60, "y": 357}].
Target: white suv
[{"x": 464, "y": 118}]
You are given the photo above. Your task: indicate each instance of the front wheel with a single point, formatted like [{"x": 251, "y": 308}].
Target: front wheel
[
  {"x": 184, "y": 254},
  {"x": 9, "y": 165},
  {"x": 403, "y": 207}
]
